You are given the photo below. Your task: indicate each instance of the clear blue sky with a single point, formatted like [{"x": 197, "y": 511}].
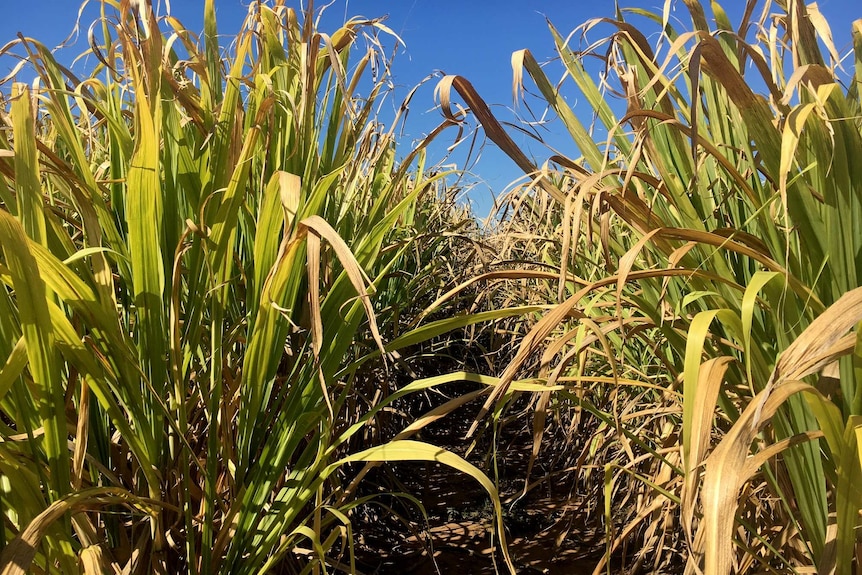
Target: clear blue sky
[{"x": 472, "y": 38}]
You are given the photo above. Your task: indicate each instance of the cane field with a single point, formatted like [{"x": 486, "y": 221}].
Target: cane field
[{"x": 246, "y": 328}]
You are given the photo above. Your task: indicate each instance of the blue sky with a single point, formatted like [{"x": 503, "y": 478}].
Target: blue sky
[{"x": 473, "y": 38}]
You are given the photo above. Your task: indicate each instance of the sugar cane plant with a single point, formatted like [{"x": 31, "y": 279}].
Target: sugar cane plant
[
  {"x": 191, "y": 242},
  {"x": 704, "y": 234}
]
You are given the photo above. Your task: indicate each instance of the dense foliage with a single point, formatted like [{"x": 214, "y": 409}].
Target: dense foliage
[
  {"x": 190, "y": 250},
  {"x": 706, "y": 250},
  {"x": 215, "y": 268}
]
